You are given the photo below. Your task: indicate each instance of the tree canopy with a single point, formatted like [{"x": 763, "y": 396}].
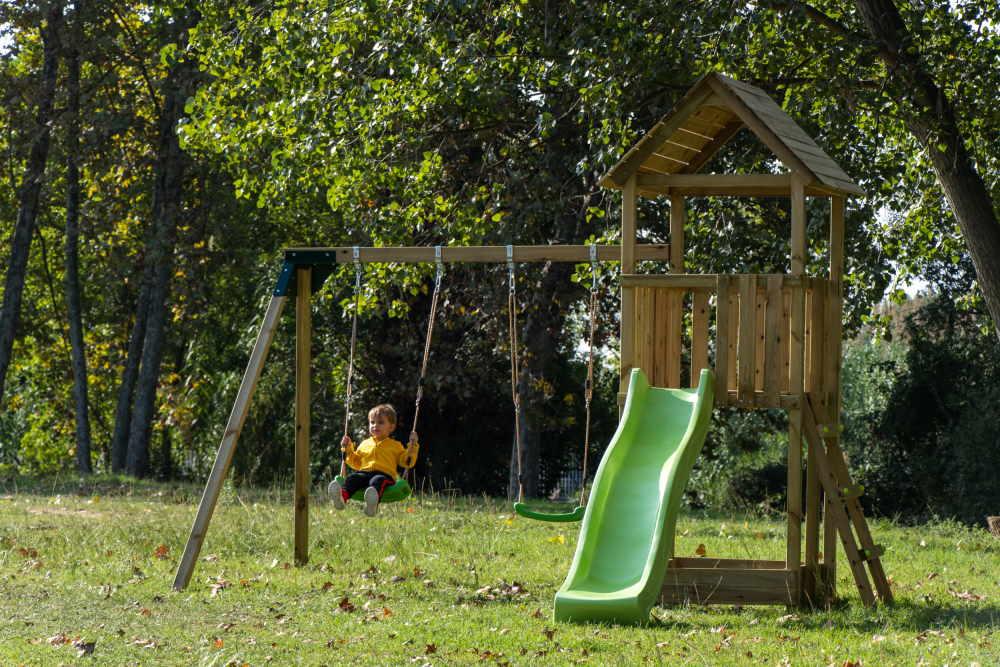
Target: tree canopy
[{"x": 378, "y": 122}]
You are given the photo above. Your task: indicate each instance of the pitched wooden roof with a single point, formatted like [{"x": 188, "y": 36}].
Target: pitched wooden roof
[{"x": 708, "y": 116}]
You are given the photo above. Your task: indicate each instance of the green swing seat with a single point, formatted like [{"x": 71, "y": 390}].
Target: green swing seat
[
  {"x": 399, "y": 491},
  {"x": 564, "y": 517}
]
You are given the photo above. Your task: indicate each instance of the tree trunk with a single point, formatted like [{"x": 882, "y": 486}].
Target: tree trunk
[
  {"x": 72, "y": 280},
  {"x": 930, "y": 118},
  {"x": 123, "y": 409},
  {"x": 167, "y": 192},
  {"x": 28, "y": 197}
]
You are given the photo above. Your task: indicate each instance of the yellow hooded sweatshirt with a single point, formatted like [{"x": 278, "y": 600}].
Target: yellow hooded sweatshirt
[{"x": 384, "y": 456}]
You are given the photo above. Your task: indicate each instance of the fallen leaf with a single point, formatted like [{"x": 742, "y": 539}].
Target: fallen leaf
[
  {"x": 327, "y": 585},
  {"x": 84, "y": 648},
  {"x": 345, "y": 605},
  {"x": 220, "y": 584},
  {"x": 219, "y": 643},
  {"x": 788, "y": 618},
  {"x": 966, "y": 595},
  {"x": 537, "y": 613},
  {"x": 162, "y": 552},
  {"x": 549, "y": 633},
  {"x": 558, "y": 539},
  {"x": 430, "y": 648},
  {"x": 700, "y": 551}
]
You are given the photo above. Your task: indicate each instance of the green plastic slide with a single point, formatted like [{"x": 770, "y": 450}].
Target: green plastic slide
[{"x": 627, "y": 534}]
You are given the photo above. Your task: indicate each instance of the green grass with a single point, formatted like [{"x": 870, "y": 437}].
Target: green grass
[{"x": 433, "y": 580}]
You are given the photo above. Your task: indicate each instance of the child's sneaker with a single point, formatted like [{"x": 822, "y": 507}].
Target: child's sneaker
[
  {"x": 371, "y": 501},
  {"x": 336, "y": 492}
]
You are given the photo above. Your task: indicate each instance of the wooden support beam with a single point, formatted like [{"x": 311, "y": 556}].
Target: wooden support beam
[
  {"x": 699, "y": 281},
  {"x": 722, "y": 340},
  {"x": 303, "y": 365},
  {"x": 475, "y": 254},
  {"x": 836, "y": 238},
  {"x": 793, "y": 547},
  {"x": 832, "y": 384},
  {"x": 628, "y": 260},
  {"x": 719, "y": 584},
  {"x": 699, "y": 337},
  {"x": 675, "y": 303},
  {"x": 837, "y": 513},
  {"x": 224, "y": 457},
  {"x": 716, "y": 183}
]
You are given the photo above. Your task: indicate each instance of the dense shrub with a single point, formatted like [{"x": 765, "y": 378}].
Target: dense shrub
[{"x": 929, "y": 449}]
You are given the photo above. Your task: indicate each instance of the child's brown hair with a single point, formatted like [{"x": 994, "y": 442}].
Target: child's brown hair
[{"x": 383, "y": 410}]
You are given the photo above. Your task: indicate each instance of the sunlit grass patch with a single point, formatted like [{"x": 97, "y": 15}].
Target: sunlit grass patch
[{"x": 87, "y": 570}]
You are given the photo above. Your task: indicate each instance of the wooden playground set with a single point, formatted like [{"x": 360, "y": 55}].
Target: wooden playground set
[{"x": 773, "y": 341}]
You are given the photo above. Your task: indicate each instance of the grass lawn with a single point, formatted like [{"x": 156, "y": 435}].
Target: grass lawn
[{"x": 86, "y": 570}]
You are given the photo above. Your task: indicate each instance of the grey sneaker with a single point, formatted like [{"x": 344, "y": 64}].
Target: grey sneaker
[
  {"x": 371, "y": 501},
  {"x": 336, "y": 495}
]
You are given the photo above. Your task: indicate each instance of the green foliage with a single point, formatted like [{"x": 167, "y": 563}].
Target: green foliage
[{"x": 926, "y": 452}]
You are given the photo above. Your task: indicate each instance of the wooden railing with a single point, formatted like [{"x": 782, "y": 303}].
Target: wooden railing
[{"x": 769, "y": 337}]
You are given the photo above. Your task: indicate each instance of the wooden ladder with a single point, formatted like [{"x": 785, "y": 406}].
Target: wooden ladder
[{"x": 844, "y": 510}]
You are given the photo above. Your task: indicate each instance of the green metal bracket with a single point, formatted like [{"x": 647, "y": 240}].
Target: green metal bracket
[{"x": 322, "y": 263}]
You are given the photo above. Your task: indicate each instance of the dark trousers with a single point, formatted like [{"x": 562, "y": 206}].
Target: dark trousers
[{"x": 360, "y": 479}]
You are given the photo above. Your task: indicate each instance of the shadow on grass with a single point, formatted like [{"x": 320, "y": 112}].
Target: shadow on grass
[
  {"x": 110, "y": 486},
  {"x": 905, "y": 615}
]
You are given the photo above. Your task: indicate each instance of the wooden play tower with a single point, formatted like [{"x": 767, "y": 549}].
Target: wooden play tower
[
  {"x": 775, "y": 337},
  {"x": 773, "y": 340}
]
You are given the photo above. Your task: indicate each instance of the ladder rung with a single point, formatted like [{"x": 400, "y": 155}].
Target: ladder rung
[
  {"x": 852, "y": 491},
  {"x": 875, "y": 552}
]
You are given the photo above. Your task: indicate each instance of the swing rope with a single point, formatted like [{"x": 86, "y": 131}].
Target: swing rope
[
  {"x": 350, "y": 359},
  {"x": 427, "y": 342},
  {"x": 515, "y": 366},
  {"x": 588, "y": 392}
]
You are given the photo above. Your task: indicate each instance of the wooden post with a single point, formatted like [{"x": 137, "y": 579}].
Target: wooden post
[
  {"x": 722, "y": 343},
  {"x": 224, "y": 457},
  {"x": 793, "y": 554},
  {"x": 303, "y": 362},
  {"x": 699, "y": 336},
  {"x": 676, "y": 297},
  {"x": 628, "y": 293},
  {"x": 833, "y": 382}
]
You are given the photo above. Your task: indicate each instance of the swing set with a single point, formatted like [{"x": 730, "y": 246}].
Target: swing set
[
  {"x": 303, "y": 273},
  {"x": 755, "y": 341}
]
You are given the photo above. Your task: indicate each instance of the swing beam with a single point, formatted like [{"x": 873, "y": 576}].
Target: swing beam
[{"x": 311, "y": 267}]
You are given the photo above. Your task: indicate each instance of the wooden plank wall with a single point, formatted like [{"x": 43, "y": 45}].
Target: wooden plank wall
[{"x": 753, "y": 344}]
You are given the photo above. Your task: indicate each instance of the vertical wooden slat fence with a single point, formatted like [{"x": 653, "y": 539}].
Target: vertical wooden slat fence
[{"x": 746, "y": 330}]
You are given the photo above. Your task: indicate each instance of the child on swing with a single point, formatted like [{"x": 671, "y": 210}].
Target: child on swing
[{"x": 375, "y": 461}]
